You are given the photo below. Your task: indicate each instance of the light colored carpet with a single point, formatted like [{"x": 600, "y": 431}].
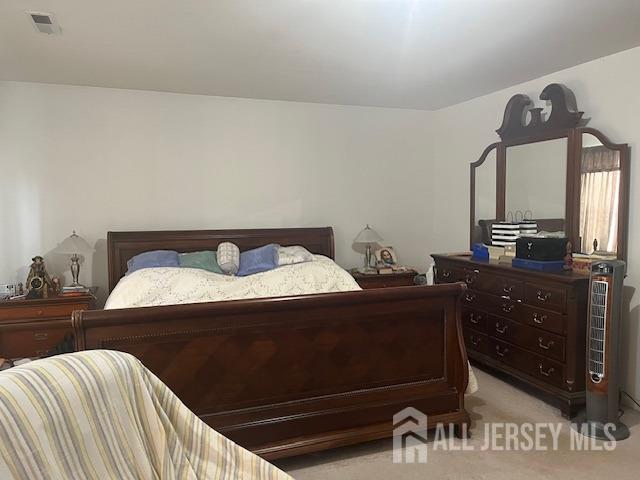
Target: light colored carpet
[{"x": 496, "y": 401}]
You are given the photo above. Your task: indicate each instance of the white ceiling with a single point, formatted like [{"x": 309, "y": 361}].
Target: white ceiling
[{"x": 403, "y": 53}]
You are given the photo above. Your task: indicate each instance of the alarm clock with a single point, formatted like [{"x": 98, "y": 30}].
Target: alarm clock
[
  {"x": 35, "y": 287},
  {"x": 38, "y": 281}
]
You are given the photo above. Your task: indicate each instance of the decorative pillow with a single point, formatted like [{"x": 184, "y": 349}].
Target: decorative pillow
[
  {"x": 154, "y": 258},
  {"x": 228, "y": 258},
  {"x": 205, "y": 260},
  {"x": 258, "y": 260},
  {"x": 295, "y": 254}
]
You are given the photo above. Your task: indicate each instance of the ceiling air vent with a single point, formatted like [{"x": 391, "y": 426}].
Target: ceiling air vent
[{"x": 44, "y": 23}]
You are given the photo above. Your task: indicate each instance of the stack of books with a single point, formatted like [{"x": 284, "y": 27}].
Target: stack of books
[
  {"x": 386, "y": 269},
  {"x": 582, "y": 262},
  {"x": 70, "y": 290}
]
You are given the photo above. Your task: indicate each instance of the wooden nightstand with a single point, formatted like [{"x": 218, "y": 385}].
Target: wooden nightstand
[
  {"x": 30, "y": 328},
  {"x": 375, "y": 280}
]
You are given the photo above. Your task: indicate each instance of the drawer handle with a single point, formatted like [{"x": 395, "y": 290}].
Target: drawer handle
[
  {"x": 446, "y": 273},
  {"x": 469, "y": 297},
  {"x": 501, "y": 330},
  {"x": 546, "y": 373},
  {"x": 39, "y": 337},
  {"x": 508, "y": 288},
  {"x": 543, "y": 296},
  {"x": 475, "y": 341},
  {"x": 475, "y": 319},
  {"x": 539, "y": 319},
  {"x": 40, "y": 312},
  {"x": 471, "y": 277},
  {"x": 541, "y": 344},
  {"x": 507, "y": 307},
  {"x": 501, "y": 352}
]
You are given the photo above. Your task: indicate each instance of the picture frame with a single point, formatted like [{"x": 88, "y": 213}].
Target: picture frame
[{"x": 386, "y": 256}]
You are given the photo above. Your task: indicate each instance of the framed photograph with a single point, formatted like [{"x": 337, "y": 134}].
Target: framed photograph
[{"x": 385, "y": 256}]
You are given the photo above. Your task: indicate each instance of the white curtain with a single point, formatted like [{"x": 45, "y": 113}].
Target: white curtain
[{"x": 600, "y": 188}]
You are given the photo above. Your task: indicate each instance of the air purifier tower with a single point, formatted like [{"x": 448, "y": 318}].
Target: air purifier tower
[{"x": 601, "y": 418}]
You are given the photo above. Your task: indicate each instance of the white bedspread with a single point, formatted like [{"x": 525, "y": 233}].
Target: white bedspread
[{"x": 171, "y": 286}]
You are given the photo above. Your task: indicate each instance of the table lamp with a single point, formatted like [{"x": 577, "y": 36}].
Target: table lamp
[
  {"x": 73, "y": 245},
  {"x": 367, "y": 237}
]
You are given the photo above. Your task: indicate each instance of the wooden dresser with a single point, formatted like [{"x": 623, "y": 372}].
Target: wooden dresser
[
  {"x": 31, "y": 328},
  {"x": 529, "y": 325}
]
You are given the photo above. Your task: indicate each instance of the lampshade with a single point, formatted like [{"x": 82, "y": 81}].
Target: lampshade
[
  {"x": 74, "y": 244},
  {"x": 368, "y": 236}
]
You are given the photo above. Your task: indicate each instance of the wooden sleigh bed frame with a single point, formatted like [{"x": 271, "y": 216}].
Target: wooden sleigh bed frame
[{"x": 289, "y": 375}]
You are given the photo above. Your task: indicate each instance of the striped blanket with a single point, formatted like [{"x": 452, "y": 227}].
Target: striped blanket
[{"x": 101, "y": 415}]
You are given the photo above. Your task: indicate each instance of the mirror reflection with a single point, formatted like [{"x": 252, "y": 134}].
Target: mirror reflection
[
  {"x": 485, "y": 198},
  {"x": 536, "y": 175},
  {"x": 599, "y": 197},
  {"x": 485, "y": 203}
]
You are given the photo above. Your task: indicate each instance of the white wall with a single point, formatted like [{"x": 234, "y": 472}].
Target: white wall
[
  {"x": 95, "y": 159},
  {"x": 607, "y": 91},
  {"x": 102, "y": 159}
]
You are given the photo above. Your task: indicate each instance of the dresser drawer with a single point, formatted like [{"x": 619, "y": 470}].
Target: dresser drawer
[
  {"x": 35, "y": 339},
  {"x": 499, "y": 286},
  {"x": 474, "y": 300},
  {"x": 35, "y": 312},
  {"x": 533, "y": 339},
  {"x": 476, "y": 341},
  {"x": 474, "y": 319},
  {"x": 542, "y": 368},
  {"x": 446, "y": 273},
  {"x": 544, "y": 296},
  {"x": 504, "y": 306},
  {"x": 544, "y": 319}
]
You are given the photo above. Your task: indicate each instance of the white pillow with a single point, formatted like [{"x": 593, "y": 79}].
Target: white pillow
[
  {"x": 295, "y": 254},
  {"x": 228, "y": 255}
]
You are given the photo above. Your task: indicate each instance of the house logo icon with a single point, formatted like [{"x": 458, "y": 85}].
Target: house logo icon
[{"x": 410, "y": 436}]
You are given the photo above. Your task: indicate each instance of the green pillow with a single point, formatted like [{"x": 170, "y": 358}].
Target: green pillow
[{"x": 205, "y": 260}]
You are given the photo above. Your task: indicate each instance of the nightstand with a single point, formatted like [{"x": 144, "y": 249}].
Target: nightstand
[
  {"x": 376, "y": 280},
  {"x": 31, "y": 328}
]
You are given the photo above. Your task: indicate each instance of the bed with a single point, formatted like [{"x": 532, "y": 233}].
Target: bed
[{"x": 283, "y": 376}]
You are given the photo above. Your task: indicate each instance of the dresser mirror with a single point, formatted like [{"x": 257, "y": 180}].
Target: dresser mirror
[
  {"x": 536, "y": 180},
  {"x": 485, "y": 188},
  {"x": 550, "y": 167},
  {"x": 604, "y": 179}
]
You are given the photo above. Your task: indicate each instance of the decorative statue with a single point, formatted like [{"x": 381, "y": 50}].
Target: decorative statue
[
  {"x": 55, "y": 282},
  {"x": 38, "y": 281}
]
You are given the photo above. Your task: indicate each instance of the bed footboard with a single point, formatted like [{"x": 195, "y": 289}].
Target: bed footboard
[{"x": 285, "y": 376}]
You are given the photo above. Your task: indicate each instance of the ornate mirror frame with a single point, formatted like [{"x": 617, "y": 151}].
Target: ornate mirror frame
[{"x": 564, "y": 121}]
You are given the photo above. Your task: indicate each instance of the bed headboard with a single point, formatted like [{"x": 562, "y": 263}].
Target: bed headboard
[{"x": 121, "y": 246}]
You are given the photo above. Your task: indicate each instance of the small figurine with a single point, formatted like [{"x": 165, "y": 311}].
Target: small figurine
[
  {"x": 38, "y": 282},
  {"x": 568, "y": 258},
  {"x": 56, "y": 288}
]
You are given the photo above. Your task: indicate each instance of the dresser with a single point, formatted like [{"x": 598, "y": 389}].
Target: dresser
[
  {"x": 31, "y": 328},
  {"x": 529, "y": 325}
]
